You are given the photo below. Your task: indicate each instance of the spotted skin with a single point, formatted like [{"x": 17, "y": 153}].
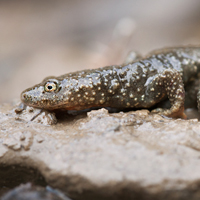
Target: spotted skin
[{"x": 140, "y": 84}]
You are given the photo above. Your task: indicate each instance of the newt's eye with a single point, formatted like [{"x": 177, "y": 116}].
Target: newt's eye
[{"x": 50, "y": 86}]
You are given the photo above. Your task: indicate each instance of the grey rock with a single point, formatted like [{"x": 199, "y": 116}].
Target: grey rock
[
  {"x": 133, "y": 155},
  {"x": 31, "y": 192}
]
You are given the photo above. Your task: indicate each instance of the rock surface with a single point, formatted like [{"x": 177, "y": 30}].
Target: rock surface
[
  {"x": 133, "y": 155},
  {"x": 30, "y": 192}
]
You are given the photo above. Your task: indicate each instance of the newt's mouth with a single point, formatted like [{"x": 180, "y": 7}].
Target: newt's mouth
[{"x": 34, "y": 101}]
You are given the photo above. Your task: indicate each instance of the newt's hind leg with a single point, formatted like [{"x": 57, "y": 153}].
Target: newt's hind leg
[{"x": 172, "y": 83}]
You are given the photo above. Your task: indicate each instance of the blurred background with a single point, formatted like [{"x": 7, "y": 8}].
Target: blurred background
[{"x": 41, "y": 38}]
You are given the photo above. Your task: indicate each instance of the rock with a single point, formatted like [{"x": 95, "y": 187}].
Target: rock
[
  {"x": 28, "y": 113},
  {"x": 133, "y": 155},
  {"x": 30, "y": 192}
]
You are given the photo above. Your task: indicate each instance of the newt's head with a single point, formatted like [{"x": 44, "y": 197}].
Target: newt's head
[{"x": 47, "y": 95}]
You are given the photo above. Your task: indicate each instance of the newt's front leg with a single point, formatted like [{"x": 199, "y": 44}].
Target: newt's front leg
[{"x": 172, "y": 84}]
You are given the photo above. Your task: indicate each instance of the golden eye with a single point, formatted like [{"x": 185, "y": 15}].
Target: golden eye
[{"x": 50, "y": 87}]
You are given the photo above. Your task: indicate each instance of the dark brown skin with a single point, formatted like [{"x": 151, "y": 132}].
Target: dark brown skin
[{"x": 140, "y": 84}]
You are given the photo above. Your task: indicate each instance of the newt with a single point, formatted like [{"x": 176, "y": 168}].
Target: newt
[{"x": 139, "y": 83}]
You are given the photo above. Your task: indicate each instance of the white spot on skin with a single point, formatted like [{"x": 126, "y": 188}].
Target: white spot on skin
[
  {"x": 147, "y": 64},
  {"x": 102, "y": 101},
  {"x": 152, "y": 89},
  {"x": 142, "y": 97},
  {"x": 110, "y": 91},
  {"x": 76, "y": 90},
  {"x": 81, "y": 86},
  {"x": 92, "y": 99},
  {"x": 122, "y": 73}
]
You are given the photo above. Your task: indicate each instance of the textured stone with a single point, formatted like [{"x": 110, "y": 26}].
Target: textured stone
[{"x": 105, "y": 156}]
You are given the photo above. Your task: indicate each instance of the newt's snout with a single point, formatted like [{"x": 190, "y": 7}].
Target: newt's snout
[{"x": 32, "y": 96}]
